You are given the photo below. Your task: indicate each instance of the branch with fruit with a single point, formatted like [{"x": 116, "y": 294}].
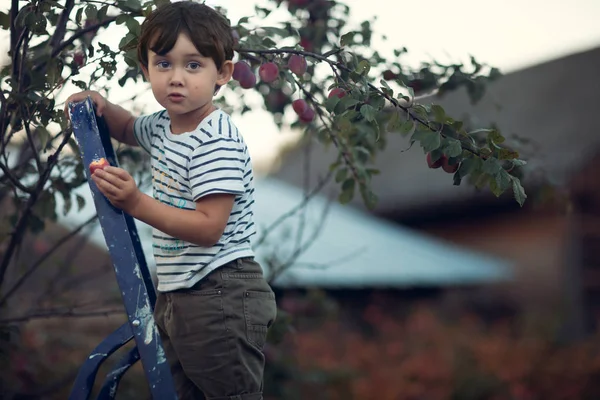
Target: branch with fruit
[{"x": 354, "y": 99}]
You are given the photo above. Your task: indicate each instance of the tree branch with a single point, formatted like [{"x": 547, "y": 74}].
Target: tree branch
[
  {"x": 61, "y": 313},
  {"x": 343, "y": 67},
  {"x": 36, "y": 155},
  {"x": 61, "y": 25},
  {"x": 8, "y": 174},
  {"x": 59, "y": 48},
  {"x": 20, "y": 229},
  {"x": 41, "y": 260}
]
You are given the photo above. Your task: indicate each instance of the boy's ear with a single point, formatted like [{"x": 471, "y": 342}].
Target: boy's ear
[{"x": 225, "y": 73}]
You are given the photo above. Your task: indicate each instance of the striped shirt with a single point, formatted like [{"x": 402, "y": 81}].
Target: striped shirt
[{"x": 186, "y": 167}]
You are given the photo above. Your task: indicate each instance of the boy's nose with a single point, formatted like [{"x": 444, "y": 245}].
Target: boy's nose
[{"x": 176, "y": 77}]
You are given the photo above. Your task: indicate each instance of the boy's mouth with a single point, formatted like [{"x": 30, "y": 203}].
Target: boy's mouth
[{"x": 176, "y": 96}]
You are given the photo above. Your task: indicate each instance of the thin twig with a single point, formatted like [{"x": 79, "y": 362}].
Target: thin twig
[{"x": 295, "y": 209}]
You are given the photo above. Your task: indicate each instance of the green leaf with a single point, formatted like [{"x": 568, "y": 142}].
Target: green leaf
[
  {"x": 438, "y": 112},
  {"x": 347, "y": 102},
  {"x": 91, "y": 11},
  {"x": 429, "y": 140},
  {"x": 68, "y": 203},
  {"x": 368, "y": 112},
  {"x": 369, "y": 197},
  {"x": 362, "y": 154},
  {"x": 121, "y": 19},
  {"x": 80, "y": 202},
  {"x": 341, "y": 174},
  {"x": 4, "y": 21},
  {"x": 408, "y": 127},
  {"x": 79, "y": 15},
  {"x": 491, "y": 166},
  {"x": 331, "y": 103},
  {"x": 495, "y": 137},
  {"x": 495, "y": 189},
  {"x": 133, "y": 25},
  {"x": 395, "y": 122},
  {"x": 346, "y": 38},
  {"x": 507, "y": 154},
  {"x": 347, "y": 193},
  {"x": 290, "y": 79},
  {"x": 503, "y": 180},
  {"x": 386, "y": 88},
  {"x": 452, "y": 147},
  {"x": 469, "y": 165},
  {"x": 518, "y": 191},
  {"x": 363, "y": 68}
]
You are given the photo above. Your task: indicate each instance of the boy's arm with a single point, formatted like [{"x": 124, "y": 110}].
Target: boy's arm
[
  {"x": 203, "y": 226},
  {"x": 120, "y": 123}
]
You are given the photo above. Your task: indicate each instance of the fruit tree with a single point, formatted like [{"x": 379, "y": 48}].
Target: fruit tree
[{"x": 313, "y": 65}]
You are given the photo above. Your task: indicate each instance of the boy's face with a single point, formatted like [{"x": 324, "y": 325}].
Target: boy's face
[{"x": 183, "y": 81}]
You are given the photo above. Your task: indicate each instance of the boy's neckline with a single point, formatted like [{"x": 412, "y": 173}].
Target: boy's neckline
[{"x": 204, "y": 121}]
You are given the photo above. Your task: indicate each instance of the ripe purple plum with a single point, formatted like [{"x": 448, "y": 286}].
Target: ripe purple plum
[
  {"x": 268, "y": 72},
  {"x": 297, "y": 64}
]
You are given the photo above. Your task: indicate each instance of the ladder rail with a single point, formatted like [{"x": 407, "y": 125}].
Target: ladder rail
[{"x": 122, "y": 240}]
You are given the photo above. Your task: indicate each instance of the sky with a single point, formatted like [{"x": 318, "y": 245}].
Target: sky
[{"x": 508, "y": 34}]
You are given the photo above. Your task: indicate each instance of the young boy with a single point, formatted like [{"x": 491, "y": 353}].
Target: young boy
[{"x": 214, "y": 306}]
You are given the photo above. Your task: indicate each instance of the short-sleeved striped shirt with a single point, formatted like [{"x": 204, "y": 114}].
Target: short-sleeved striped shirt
[{"x": 185, "y": 167}]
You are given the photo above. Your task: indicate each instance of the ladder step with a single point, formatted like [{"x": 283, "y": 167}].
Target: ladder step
[
  {"x": 109, "y": 388},
  {"x": 84, "y": 383}
]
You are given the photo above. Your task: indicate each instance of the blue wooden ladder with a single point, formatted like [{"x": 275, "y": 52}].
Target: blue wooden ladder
[{"x": 132, "y": 274}]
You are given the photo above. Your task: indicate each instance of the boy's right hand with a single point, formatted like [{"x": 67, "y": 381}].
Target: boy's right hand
[{"x": 97, "y": 99}]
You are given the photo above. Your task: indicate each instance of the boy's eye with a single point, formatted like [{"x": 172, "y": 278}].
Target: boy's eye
[
  {"x": 194, "y": 65},
  {"x": 162, "y": 64}
]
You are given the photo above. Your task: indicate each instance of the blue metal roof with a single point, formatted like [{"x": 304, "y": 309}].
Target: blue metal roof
[{"x": 351, "y": 249}]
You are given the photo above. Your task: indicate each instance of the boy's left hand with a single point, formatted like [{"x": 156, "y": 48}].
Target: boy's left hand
[{"x": 119, "y": 187}]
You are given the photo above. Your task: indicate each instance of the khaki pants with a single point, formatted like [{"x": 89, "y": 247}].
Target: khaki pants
[{"x": 213, "y": 334}]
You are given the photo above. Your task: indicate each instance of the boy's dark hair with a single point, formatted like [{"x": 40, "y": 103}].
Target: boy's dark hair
[{"x": 207, "y": 29}]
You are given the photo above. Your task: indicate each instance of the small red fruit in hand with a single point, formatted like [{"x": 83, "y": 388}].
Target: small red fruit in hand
[
  {"x": 299, "y": 106},
  {"x": 268, "y": 72},
  {"x": 297, "y": 64},
  {"x": 339, "y": 92},
  {"x": 98, "y": 164}
]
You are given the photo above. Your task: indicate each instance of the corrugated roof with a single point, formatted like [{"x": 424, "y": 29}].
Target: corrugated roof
[{"x": 352, "y": 249}]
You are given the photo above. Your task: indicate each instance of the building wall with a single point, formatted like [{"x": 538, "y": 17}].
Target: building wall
[{"x": 535, "y": 242}]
